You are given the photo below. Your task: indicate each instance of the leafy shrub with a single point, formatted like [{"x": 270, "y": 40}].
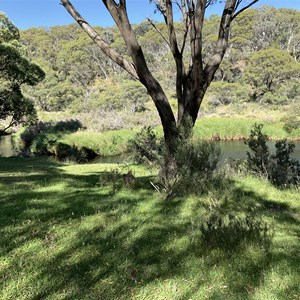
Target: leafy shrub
[
  {"x": 283, "y": 169},
  {"x": 190, "y": 170},
  {"x": 273, "y": 98},
  {"x": 259, "y": 155},
  {"x": 291, "y": 124},
  {"x": 118, "y": 178},
  {"x": 230, "y": 232},
  {"x": 38, "y": 130},
  {"x": 187, "y": 170},
  {"x": 42, "y": 139},
  {"x": 224, "y": 93},
  {"x": 65, "y": 152},
  {"x": 145, "y": 146},
  {"x": 279, "y": 167},
  {"x": 113, "y": 178}
]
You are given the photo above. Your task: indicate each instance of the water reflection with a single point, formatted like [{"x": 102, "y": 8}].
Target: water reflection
[
  {"x": 230, "y": 150},
  {"x": 6, "y": 146}
]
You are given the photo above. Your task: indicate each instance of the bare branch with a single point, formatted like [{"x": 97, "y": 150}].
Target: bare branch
[
  {"x": 111, "y": 53},
  {"x": 185, "y": 20},
  {"x": 222, "y": 41},
  {"x": 159, "y": 32},
  {"x": 242, "y": 9}
]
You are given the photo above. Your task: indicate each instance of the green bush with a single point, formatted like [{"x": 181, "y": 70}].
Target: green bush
[
  {"x": 190, "y": 170},
  {"x": 278, "y": 167},
  {"x": 292, "y": 124},
  {"x": 186, "y": 170},
  {"x": 273, "y": 98},
  {"x": 224, "y": 93},
  {"x": 36, "y": 132},
  {"x": 43, "y": 139},
  {"x": 65, "y": 152},
  {"x": 283, "y": 169},
  {"x": 259, "y": 155},
  {"x": 145, "y": 146}
]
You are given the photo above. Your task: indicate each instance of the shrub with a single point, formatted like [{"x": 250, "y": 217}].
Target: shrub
[
  {"x": 259, "y": 156},
  {"x": 292, "y": 124},
  {"x": 37, "y": 131},
  {"x": 145, "y": 146},
  {"x": 279, "y": 167},
  {"x": 273, "y": 98},
  {"x": 112, "y": 177},
  {"x": 224, "y": 93},
  {"x": 187, "y": 170},
  {"x": 64, "y": 152},
  {"x": 190, "y": 170},
  {"x": 283, "y": 169},
  {"x": 42, "y": 139}
]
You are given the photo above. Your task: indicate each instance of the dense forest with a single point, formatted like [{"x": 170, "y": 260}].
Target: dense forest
[{"x": 262, "y": 66}]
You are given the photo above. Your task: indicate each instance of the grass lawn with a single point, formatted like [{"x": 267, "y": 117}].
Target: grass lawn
[{"x": 65, "y": 234}]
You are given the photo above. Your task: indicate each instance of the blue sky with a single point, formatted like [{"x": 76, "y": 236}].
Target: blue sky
[{"x": 46, "y": 13}]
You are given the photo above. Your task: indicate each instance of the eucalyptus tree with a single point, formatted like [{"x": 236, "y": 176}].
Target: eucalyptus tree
[
  {"x": 15, "y": 71},
  {"x": 193, "y": 77}
]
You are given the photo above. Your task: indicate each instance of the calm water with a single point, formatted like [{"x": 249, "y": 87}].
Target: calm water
[
  {"x": 6, "y": 146},
  {"x": 230, "y": 150},
  {"x": 238, "y": 150}
]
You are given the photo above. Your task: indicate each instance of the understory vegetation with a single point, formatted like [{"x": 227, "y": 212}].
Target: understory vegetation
[{"x": 279, "y": 167}]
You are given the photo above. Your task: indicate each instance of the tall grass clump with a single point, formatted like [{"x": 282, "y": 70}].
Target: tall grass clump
[{"x": 230, "y": 232}]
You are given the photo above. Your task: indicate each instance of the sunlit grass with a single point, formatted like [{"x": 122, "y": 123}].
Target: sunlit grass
[
  {"x": 65, "y": 235},
  {"x": 115, "y": 142}
]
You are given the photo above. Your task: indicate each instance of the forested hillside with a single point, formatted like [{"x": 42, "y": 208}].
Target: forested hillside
[{"x": 261, "y": 67}]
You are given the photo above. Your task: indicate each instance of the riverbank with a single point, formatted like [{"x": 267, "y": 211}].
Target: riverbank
[
  {"x": 224, "y": 129},
  {"x": 73, "y": 231},
  {"x": 112, "y": 143}
]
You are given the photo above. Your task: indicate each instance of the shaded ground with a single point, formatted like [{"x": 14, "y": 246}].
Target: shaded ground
[{"x": 65, "y": 234}]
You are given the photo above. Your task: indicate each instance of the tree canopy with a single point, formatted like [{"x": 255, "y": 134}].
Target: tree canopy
[{"x": 15, "y": 70}]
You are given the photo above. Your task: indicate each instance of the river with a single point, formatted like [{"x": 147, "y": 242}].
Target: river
[{"x": 230, "y": 150}]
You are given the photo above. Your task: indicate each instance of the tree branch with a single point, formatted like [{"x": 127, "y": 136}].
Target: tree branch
[
  {"x": 111, "y": 53},
  {"x": 159, "y": 32},
  {"x": 242, "y": 9},
  {"x": 222, "y": 41}
]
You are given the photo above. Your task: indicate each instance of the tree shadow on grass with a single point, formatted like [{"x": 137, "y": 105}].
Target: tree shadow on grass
[{"x": 97, "y": 242}]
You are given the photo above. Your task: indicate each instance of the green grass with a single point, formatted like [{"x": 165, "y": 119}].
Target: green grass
[
  {"x": 107, "y": 143},
  {"x": 67, "y": 235},
  {"x": 115, "y": 142},
  {"x": 237, "y": 128},
  {"x": 111, "y": 143}
]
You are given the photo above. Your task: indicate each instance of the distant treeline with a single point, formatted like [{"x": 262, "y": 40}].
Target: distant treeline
[{"x": 262, "y": 64}]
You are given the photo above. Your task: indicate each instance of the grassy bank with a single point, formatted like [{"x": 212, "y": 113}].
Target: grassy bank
[
  {"x": 110, "y": 143},
  {"x": 238, "y": 129},
  {"x": 107, "y": 143},
  {"x": 115, "y": 142},
  {"x": 65, "y": 234}
]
